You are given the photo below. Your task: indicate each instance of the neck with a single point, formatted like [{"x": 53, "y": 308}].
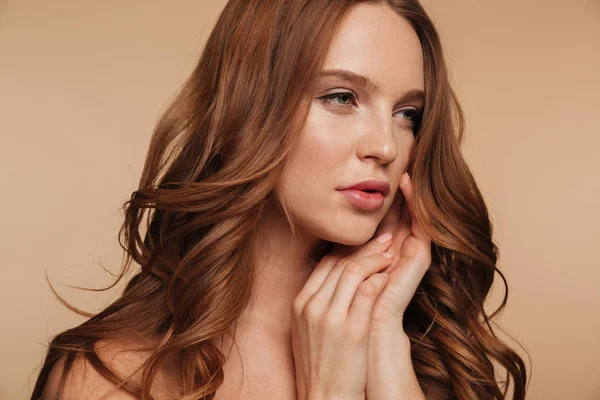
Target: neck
[{"x": 282, "y": 268}]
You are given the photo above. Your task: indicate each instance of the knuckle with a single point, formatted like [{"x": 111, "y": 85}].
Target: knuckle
[
  {"x": 371, "y": 286},
  {"x": 332, "y": 320},
  {"x": 311, "y": 311},
  {"x": 341, "y": 262},
  {"x": 327, "y": 259},
  {"x": 383, "y": 311},
  {"x": 357, "y": 335},
  {"x": 297, "y": 307},
  {"x": 367, "y": 289},
  {"x": 353, "y": 268}
]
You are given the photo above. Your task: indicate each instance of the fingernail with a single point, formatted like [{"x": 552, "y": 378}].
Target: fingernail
[
  {"x": 384, "y": 238},
  {"x": 387, "y": 255},
  {"x": 404, "y": 178}
]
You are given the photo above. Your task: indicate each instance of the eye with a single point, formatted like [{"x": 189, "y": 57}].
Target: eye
[
  {"x": 414, "y": 116},
  {"x": 411, "y": 114},
  {"x": 346, "y": 99},
  {"x": 344, "y": 96}
]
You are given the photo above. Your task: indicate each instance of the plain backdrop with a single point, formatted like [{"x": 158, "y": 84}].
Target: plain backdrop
[{"x": 82, "y": 84}]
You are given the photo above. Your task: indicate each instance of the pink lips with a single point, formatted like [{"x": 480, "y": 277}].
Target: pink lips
[
  {"x": 367, "y": 195},
  {"x": 364, "y": 200}
]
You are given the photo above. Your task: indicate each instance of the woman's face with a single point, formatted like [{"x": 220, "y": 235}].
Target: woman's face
[{"x": 355, "y": 131}]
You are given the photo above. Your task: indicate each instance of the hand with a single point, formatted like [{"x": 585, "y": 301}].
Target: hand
[
  {"x": 390, "y": 373},
  {"x": 411, "y": 256},
  {"x": 330, "y": 322}
]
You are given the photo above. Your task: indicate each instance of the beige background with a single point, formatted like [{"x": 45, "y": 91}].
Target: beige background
[{"x": 83, "y": 82}]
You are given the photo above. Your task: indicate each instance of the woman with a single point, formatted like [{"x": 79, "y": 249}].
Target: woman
[{"x": 284, "y": 223}]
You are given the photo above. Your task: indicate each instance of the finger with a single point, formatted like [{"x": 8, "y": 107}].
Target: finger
[
  {"x": 353, "y": 275},
  {"x": 404, "y": 225},
  {"x": 376, "y": 246},
  {"x": 316, "y": 279},
  {"x": 359, "y": 314},
  {"x": 403, "y": 282},
  {"x": 402, "y": 230},
  {"x": 373, "y": 246},
  {"x": 360, "y": 250},
  {"x": 393, "y": 215},
  {"x": 407, "y": 188}
]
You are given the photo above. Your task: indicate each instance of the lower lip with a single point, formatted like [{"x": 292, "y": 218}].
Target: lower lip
[{"x": 363, "y": 200}]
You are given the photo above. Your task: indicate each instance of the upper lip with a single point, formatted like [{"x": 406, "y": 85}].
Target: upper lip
[{"x": 370, "y": 184}]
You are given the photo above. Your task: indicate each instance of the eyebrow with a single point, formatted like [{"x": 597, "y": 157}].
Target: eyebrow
[{"x": 368, "y": 84}]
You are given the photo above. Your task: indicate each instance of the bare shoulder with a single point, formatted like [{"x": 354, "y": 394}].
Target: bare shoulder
[{"x": 85, "y": 382}]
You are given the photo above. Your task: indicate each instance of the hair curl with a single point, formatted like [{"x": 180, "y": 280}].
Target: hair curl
[{"x": 208, "y": 180}]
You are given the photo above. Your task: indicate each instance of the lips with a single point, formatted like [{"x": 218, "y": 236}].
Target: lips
[
  {"x": 363, "y": 200},
  {"x": 370, "y": 186},
  {"x": 368, "y": 195}
]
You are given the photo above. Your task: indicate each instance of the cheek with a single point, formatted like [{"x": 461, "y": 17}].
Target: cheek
[
  {"x": 312, "y": 172},
  {"x": 405, "y": 148},
  {"x": 321, "y": 150}
]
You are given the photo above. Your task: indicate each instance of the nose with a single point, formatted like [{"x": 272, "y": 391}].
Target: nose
[{"x": 378, "y": 140}]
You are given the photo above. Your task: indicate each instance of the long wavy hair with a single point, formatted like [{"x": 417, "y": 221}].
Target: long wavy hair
[{"x": 208, "y": 181}]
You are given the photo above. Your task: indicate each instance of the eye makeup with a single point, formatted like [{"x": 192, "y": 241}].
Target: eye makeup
[{"x": 415, "y": 113}]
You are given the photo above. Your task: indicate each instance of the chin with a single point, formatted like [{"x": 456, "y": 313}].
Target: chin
[
  {"x": 356, "y": 235},
  {"x": 341, "y": 227}
]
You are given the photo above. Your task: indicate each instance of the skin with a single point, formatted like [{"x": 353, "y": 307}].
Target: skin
[
  {"x": 390, "y": 371},
  {"x": 344, "y": 140},
  {"x": 369, "y": 139}
]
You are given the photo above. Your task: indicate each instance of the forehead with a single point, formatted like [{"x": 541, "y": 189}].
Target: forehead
[{"x": 373, "y": 40}]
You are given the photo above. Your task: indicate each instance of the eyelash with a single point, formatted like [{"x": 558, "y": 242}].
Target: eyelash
[{"x": 418, "y": 114}]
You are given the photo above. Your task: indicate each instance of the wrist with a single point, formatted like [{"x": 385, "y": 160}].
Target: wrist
[
  {"x": 390, "y": 331},
  {"x": 391, "y": 367}
]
